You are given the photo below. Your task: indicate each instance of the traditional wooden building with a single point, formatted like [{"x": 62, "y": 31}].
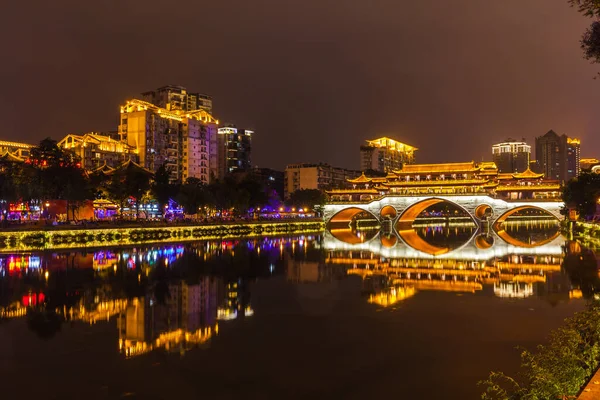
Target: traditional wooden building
[{"x": 448, "y": 179}]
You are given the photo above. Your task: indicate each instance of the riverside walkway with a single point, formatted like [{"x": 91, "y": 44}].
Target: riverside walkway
[
  {"x": 592, "y": 389},
  {"x": 91, "y": 236}
]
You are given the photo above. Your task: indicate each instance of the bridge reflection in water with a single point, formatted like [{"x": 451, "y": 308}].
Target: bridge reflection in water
[{"x": 520, "y": 257}]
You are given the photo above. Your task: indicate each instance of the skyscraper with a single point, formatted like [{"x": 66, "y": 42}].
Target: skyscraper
[
  {"x": 235, "y": 150},
  {"x": 511, "y": 155},
  {"x": 385, "y": 154},
  {"x": 558, "y": 156},
  {"x": 186, "y": 141},
  {"x": 172, "y": 97}
]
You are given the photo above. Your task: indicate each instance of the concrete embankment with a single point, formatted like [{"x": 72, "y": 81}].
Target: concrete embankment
[{"x": 93, "y": 237}]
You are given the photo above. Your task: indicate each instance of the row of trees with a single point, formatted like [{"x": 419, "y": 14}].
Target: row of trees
[
  {"x": 53, "y": 173},
  {"x": 583, "y": 194}
]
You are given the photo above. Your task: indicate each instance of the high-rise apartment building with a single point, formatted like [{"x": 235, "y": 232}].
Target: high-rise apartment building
[
  {"x": 385, "y": 154},
  {"x": 186, "y": 141},
  {"x": 174, "y": 97},
  {"x": 96, "y": 150},
  {"x": 235, "y": 150},
  {"x": 558, "y": 156},
  {"x": 316, "y": 176},
  {"x": 511, "y": 156}
]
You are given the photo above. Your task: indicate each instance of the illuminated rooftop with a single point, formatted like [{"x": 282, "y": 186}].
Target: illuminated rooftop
[
  {"x": 4, "y": 143},
  {"x": 391, "y": 144},
  {"x": 104, "y": 142},
  {"x": 438, "y": 168},
  {"x": 527, "y": 174},
  {"x": 135, "y": 105}
]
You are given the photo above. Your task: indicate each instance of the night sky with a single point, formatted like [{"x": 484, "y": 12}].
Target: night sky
[{"x": 314, "y": 78}]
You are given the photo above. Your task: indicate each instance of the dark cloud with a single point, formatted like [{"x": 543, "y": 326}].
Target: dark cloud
[{"x": 313, "y": 77}]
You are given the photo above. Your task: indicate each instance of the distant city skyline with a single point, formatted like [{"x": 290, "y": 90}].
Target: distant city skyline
[{"x": 483, "y": 72}]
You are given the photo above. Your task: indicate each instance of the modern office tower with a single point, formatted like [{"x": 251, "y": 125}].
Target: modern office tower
[
  {"x": 174, "y": 97},
  {"x": 97, "y": 149},
  {"x": 315, "y": 176},
  {"x": 385, "y": 154},
  {"x": 235, "y": 150},
  {"x": 186, "y": 141},
  {"x": 511, "y": 155},
  {"x": 558, "y": 156}
]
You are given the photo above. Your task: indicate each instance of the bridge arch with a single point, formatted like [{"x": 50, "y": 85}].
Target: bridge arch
[
  {"x": 348, "y": 214},
  {"x": 409, "y": 215},
  {"x": 388, "y": 241},
  {"x": 341, "y": 226},
  {"x": 519, "y": 243},
  {"x": 484, "y": 241},
  {"x": 482, "y": 210},
  {"x": 504, "y": 235},
  {"x": 388, "y": 212},
  {"x": 411, "y": 237},
  {"x": 515, "y": 210}
]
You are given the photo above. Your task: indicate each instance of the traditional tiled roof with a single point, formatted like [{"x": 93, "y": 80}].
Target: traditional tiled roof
[
  {"x": 448, "y": 182},
  {"x": 127, "y": 165},
  {"x": 527, "y": 174},
  {"x": 528, "y": 188},
  {"x": 102, "y": 169},
  {"x": 447, "y": 168},
  {"x": 505, "y": 175},
  {"x": 352, "y": 191},
  {"x": 361, "y": 179}
]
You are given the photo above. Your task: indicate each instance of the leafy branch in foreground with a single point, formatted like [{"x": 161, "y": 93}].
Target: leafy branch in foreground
[
  {"x": 558, "y": 370},
  {"x": 590, "y": 41}
]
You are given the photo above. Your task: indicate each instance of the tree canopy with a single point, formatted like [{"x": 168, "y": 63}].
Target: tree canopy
[
  {"x": 307, "y": 198},
  {"x": 583, "y": 193},
  {"x": 590, "y": 41}
]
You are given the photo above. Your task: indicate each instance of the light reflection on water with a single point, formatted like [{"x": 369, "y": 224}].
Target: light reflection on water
[{"x": 181, "y": 297}]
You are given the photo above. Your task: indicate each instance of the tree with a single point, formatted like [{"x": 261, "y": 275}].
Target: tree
[
  {"x": 17, "y": 180},
  {"x": 590, "y": 41},
  {"x": 162, "y": 189},
  {"x": 583, "y": 192},
  {"x": 192, "y": 195},
  {"x": 130, "y": 180},
  {"x": 307, "y": 198},
  {"x": 557, "y": 370},
  {"x": 59, "y": 175}
]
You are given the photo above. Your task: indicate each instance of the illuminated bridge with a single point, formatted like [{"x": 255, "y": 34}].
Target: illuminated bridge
[
  {"x": 477, "y": 189},
  {"x": 403, "y": 210}
]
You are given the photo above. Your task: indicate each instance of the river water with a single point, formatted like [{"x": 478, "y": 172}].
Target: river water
[{"x": 339, "y": 315}]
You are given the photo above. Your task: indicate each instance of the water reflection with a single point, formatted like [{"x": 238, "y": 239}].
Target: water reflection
[
  {"x": 171, "y": 298},
  {"x": 530, "y": 258},
  {"x": 357, "y": 227},
  {"x": 178, "y": 297}
]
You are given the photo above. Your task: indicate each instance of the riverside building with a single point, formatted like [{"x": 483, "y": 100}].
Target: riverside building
[
  {"x": 186, "y": 141},
  {"x": 385, "y": 154}
]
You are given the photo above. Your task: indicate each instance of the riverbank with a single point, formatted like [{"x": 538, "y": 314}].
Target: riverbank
[
  {"x": 588, "y": 233},
  {"x": 94, "y": 236}
]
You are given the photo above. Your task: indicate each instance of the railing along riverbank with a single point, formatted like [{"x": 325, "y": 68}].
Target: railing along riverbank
[{"x": 90, "y": 236}]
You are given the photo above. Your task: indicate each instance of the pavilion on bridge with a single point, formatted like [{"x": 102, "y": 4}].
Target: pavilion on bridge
[{"x": 465, "y": 178}]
